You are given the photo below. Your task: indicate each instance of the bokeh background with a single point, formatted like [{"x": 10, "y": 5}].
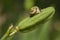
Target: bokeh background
[{"x": 11, "y": 10}]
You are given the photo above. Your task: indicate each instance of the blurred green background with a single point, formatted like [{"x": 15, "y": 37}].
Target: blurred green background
[{"x": 12, "y": 10}]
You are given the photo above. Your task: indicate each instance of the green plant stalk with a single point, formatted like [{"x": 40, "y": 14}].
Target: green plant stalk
[
  {"x": 29, "y": 21},
  {"x": 7, "y": 33}
]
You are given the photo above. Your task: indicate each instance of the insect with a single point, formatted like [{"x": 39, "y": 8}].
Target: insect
[{"x": 34, "y": 10}]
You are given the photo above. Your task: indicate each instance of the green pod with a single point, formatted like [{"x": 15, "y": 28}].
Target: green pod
[{"x": 29, "y": 21}]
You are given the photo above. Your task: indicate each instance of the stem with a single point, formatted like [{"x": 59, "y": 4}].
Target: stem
[{"x": 7, "y": 33}]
